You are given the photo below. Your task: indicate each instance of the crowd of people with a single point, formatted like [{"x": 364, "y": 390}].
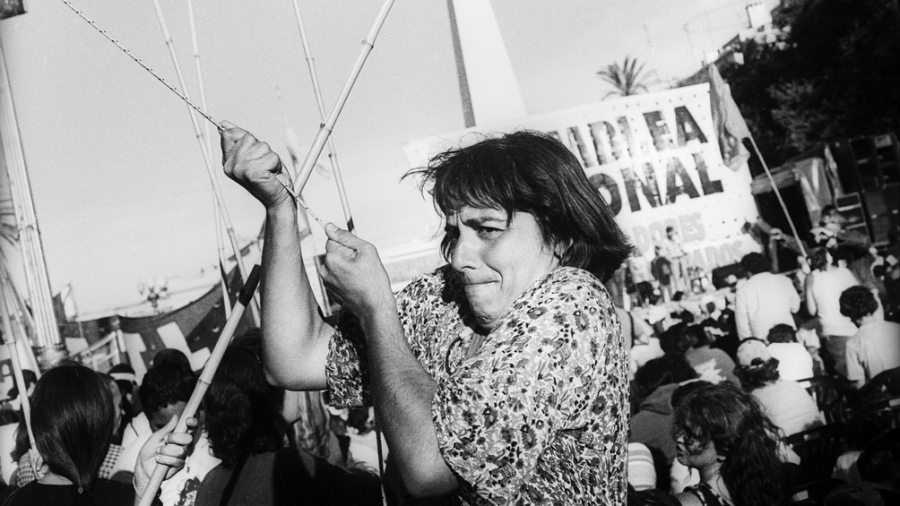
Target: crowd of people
[{"x": 509, "y": 376}]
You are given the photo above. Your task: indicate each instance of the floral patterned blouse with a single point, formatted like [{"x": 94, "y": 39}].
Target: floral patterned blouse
[{"x": 537, "y": 412}]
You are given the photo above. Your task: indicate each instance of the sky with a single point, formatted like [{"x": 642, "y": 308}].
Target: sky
[{"x": 120, "y": 188}]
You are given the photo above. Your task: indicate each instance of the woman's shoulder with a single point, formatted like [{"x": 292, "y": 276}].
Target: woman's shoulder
[{"x": 575, "y": 280}]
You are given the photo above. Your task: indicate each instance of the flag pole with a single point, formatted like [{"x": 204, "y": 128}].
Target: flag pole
[
  {"x": 220, "y": 244},
  {"x": 332, "y": 155},
  {"x": 326, "y": 127},
  {"x": 207, "y": 159},
  {"x": 205, "y": 379},
  {"x": 778, "y": 196}
]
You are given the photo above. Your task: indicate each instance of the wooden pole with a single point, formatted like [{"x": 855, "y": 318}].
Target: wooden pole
[
  {"x": 206, "y": 377},
  {"x": 326, "y": 127},
  {"x": 220, "y": 244},
  {"x": 207, "y": 159},
  {"x": 332, "y": 155},
  {"x": 778, "y": 196}
]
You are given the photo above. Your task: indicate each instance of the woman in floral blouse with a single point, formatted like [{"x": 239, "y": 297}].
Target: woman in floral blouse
[{"x": 500, "y": 378}]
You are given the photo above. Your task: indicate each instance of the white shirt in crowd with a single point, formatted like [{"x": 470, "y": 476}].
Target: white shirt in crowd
[{"x": 763, "y": 301}]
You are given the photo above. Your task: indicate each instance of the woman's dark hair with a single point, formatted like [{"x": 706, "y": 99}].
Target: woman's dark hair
[
  {"x": 662, "y": 371},
  {"x": 857, "y": 302},
  {"x": 818, "y": 259},
  {"x": 72, "y": 418},
  {"x": 754, "y": 263},
  {"x": 782, "y": 333},
  {"x": 243, "y": 412},
  {"x": 735, "y": 423},
  {"x": 758, "y": 374},
  {"x": 534, "y": 173}
]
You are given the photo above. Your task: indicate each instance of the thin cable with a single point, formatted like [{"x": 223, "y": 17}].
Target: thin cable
[
  {"x": 299, "y": 200},
  {"x": 143, "y": 65}
]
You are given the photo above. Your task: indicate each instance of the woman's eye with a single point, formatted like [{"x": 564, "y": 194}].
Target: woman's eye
[{"x": 488, "y": 232}]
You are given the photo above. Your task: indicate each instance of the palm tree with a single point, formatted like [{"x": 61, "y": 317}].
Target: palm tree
[{"x": 627, "y": 80}]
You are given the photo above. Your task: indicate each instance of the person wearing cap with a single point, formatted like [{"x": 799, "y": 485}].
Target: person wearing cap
[{"x": 788, "y": 404}]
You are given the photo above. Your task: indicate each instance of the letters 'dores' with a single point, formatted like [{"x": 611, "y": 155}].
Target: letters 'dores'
[{"x": 655, "y": 159}]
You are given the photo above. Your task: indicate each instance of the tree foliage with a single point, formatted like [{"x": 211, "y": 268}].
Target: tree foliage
[
  {"x": 627, "y": 79},
  {"x": 836, "y": 74}
]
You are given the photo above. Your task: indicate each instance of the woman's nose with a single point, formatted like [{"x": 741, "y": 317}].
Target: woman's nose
[{"x": 463, "y": 254}]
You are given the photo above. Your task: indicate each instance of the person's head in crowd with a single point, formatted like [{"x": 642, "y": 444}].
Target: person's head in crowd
[
  {"x": 165, "y": 391},
  {"x": 756, "y": 367},
  {"x": 676, "y": 340},
  {"x": 243, "y": 412},
  {"x": 72, "y": 417},
  {"x": 529, "y": 172},
  {"x": 819, "y": 259},
  {"x": 755, "y": 263},
  {"x": 30, "y": 381},
  {"x": 858, "y": 303},
  {"x": 724, "y": 433},
  {"x": 661, "y": 371},
  {"x": 830, "y": 216},
  {"x": 782, "y": 333},
  {"x": 171, "y": 355}
]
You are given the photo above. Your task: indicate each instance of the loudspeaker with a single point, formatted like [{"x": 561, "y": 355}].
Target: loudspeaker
[{"x": 720, "y": 274}]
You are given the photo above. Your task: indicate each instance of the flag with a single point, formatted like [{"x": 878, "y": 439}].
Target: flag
[{"x": 731, "y": 129}]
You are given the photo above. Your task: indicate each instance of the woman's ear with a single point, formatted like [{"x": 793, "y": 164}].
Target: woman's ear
[{"x": 561, "y": 248}]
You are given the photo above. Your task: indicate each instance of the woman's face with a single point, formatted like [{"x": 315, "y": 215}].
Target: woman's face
[
  {"x": 695, "y": 454},
  {"x": 496, "y": 261}
]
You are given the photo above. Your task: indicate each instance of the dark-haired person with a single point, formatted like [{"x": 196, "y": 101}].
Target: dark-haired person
[
  {"x": 824, "y": 287},
  {"x": 165, "y": 390},
  {"x": 764, "y": 300},
  {"x": 876, "y": 345},
  {"x": 787, "y": 403},
  {"x": 723, "y": 433},
  {"x": 794, "y": 361},
  {"x": 72, "y": 418},
  {"x": 243, "y": 420},
  {"x": 499, "y": 378}
]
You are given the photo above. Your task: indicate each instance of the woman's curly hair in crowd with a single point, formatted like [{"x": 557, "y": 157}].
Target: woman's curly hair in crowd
[
  {"x": 735, "y": 423},
  {"x": 243, "y": 412}
]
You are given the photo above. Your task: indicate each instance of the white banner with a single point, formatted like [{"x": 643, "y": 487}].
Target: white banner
[{"x": 655, "y": 159}]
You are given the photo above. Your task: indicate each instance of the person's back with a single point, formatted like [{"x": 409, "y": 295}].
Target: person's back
[
  {"x": 789, "y": 406},
  {"x": 794, "y": 362},
  {"x": 763, "y": 301},
  {"x": 826, "y": 288},
  {"x": 705, "y": 359},
  {"x": 875, "y": 348}
]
